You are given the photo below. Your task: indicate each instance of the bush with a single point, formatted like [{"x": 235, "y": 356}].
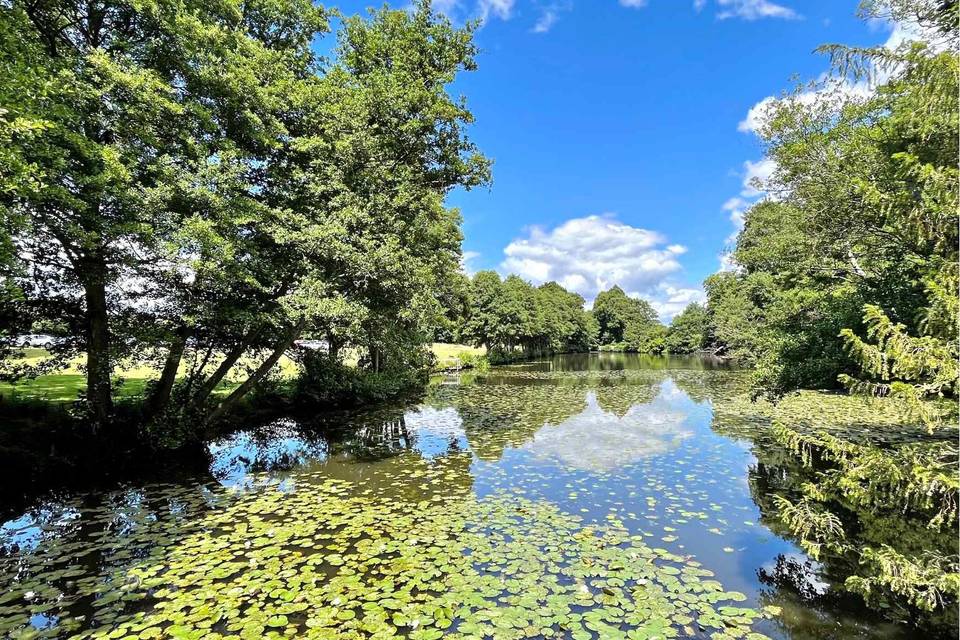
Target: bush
[
  {"x": 473, "y": 361},
  {"x": 328, "y": 382}
]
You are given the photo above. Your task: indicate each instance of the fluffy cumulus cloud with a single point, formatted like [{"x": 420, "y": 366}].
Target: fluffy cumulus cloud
[
  {"x": 591, "y": 254},
  {"x": 669, "y": 300}
]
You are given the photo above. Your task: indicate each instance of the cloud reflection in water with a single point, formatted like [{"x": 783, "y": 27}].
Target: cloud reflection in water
[{"x": 600, "y": 441}]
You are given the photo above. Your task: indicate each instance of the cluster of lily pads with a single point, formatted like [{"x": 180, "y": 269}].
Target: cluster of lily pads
[{"x": 317, "y": 557}]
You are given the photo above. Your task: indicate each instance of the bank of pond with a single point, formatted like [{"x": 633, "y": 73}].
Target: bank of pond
[{"x": 582, "y": 496}]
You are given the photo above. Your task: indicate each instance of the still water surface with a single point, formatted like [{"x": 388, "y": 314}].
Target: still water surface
[{"x": 601, "y": 496}]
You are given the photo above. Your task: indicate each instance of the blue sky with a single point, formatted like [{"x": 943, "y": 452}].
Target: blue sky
[{"x": 619, "y": 132}]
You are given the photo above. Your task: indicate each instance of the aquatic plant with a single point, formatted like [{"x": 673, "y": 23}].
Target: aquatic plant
[{"x": 323, "y": 558}]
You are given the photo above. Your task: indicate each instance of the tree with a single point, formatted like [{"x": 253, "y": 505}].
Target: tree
[
  {"x": 190, "y": 174},
  {"x": 864, "y": 217},
  {"x": 481, "y": 323},
  {"x": 504, "y": 315},
  {"x": 132, "y": 98},
  {"x": 850, "y": 275},
  {"x": 567, "y": 326},
  {"x": 615, "y": 311},
  {"x": 689, "y": 330}
]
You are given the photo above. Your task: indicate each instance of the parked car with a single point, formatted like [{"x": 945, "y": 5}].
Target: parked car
[
  {"x": 39, "y": 340},
  {"x": 313, "y": 345}
]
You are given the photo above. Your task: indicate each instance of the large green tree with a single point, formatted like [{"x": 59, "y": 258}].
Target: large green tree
[
  {"x": 861, "y": 238},
  {"x": 189, "y": 180},
  {"x": 689, "y": 330},
  {"x": 512, "y": 318},
  {"x": 615, "y": 312},
  {"x": 849, "y": 275}
]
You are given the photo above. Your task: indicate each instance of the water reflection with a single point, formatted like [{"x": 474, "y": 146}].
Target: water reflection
[
  {"x": 598, "y": 440},
  {"x": 278, "y": 446},
  {"x": 615, "y": 438}
]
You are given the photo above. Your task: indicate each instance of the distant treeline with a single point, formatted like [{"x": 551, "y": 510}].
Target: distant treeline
[{"x": 514, "y": 320}]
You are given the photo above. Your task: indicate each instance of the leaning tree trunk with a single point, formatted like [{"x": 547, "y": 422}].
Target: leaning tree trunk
[
  {"x": 160, "y": 396},
  {"x": 99, "y": 367},
  {"x": 221, "y": 372},
  {"x": 261, "y": 371}
]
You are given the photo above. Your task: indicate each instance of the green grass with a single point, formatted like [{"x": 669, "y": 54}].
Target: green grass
[
  {"x": 448, "y": 355},
  {"x": 67, "y": 385}
]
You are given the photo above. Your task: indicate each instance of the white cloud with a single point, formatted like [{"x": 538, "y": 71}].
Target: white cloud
[
  {"x": 756, "y": 175},
  {"x": 635, "y": 4},
  {"x": 546, "y": 21},
  {"x": 825, "y": 90},
  {"x": 462, "y": 10},
  {"x": 727, "y": 263},
  {"x": 592, "y": 254},
  {"x": 698, "y": 5},
  {"x": 465, "y": 260},
  {"x": 737, "y": 208},
  {"x": 500, "y": 8},
  {"x": 549, "y": 14},
  {"x": 754, "y": 10},
  {"x": 670, "y": 300}
]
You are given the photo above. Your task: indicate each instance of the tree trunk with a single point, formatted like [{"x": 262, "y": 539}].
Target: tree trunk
[
  {"x": 99, "y": 367},
  {"x": 261, "y": 371},
  {"x": 161, "y": 392},
  {"x": 217, "y": 376},
  {"x": 333, "y": 347}
]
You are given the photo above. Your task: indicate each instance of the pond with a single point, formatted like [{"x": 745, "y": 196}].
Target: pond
[{"x": 600, "y": 496}]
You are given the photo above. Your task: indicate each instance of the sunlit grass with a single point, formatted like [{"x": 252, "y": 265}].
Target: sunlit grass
[
  {"x": 449, "y": 354},
  {"x": 69, "y": 383}
]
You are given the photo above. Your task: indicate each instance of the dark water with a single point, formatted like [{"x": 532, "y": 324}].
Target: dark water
[{"x": 599, "y": 496}]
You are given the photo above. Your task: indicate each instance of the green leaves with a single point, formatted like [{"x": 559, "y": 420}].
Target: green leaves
[
  {"x": 515, "y": 319},
  {"x": 853, "y": 264},
  {"x": 376, "y": 567}
]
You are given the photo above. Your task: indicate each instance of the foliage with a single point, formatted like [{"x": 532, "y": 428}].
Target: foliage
[
  {"x": 914, "y": 369},
  {"x": 915, "y": 480},
  {"x": 335, "y": 557},
  {"x": 848, "y": 272},
  {"x": 646, "y": 338},
  {"x": 478, "y": 362},
  {"x": 617, "y": 313},
  {"x": 515, "y": 320},
  {"x": 689, "y": 330},
  {"x": 865, "y": 486},
  {"x": 191, "y": 181},
  {"x": 326, "y": 382},
  {"x": 859, "y": 233}
]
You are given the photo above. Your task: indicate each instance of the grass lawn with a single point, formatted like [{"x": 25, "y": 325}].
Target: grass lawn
[
  {"x": 449, "y": 354},
  {"x": 68, "y": 384}
]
